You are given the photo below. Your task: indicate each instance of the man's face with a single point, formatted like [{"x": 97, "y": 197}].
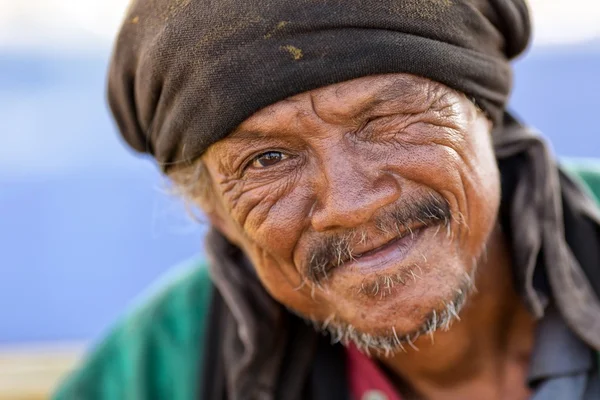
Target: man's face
[{"x": 363, "y": 205}]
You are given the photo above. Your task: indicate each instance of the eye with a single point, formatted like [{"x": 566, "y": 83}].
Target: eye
[{"x": 268, "y": 159}]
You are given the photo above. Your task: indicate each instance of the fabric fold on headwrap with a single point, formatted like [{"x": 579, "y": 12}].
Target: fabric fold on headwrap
[
  {"x": 538, "y": 230},
  {"x": 538, "y": 192},
  {"x": 185, "y": 73}
]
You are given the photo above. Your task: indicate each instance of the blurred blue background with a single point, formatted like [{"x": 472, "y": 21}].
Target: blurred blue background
[{"x": 85, "y": 226}]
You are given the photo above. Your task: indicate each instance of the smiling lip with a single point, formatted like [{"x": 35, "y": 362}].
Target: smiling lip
[{"x": 394, "y": 251}]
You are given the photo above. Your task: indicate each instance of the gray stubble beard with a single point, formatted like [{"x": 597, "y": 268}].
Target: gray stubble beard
[{"x": 392, "y": 342}]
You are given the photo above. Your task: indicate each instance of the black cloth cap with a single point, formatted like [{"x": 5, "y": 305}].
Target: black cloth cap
[{"x": 185, "y": 73}]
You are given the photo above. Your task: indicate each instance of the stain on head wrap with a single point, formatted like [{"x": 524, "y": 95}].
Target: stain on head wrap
[{"x": 186, "y": 73}]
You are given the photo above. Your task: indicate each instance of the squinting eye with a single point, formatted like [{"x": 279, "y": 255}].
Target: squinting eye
[{"x": 268, "y": 159}]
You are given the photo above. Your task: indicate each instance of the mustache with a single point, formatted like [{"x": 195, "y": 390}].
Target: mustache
[{"x": 333, "y": 250}]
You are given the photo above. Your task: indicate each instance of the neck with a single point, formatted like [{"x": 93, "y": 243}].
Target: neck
[{"x": 488, "y": 348}]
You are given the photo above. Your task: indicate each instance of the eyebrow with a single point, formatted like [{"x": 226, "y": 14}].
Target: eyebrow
[
  {"x": 400, "y": 89},
  {"x": 250, "y": 137}
]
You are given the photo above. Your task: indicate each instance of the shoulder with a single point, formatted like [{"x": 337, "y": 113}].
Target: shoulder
[{"x": 154, "y": 351}]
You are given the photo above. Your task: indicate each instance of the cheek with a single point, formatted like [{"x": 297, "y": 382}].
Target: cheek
[
  {"x": 481, "y": 183},
  {"x": 268, "y": 213},
  {"x": 272, "y": 219},
  {"x": 275, "y": 218},
  {"x": 461, "y": 167},
  {"x": 286, "y": 285}
]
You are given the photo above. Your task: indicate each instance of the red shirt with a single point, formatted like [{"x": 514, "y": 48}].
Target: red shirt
[{"x": 367, "y": 380}]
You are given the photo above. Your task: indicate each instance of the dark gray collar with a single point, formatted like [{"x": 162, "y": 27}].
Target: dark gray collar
[{"x": 562, "y": 365}]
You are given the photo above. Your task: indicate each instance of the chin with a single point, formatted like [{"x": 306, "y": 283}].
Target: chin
[{"x": 385, "y": 312}]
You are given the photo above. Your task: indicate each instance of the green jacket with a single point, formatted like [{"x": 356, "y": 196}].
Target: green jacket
[{"x": 155, "y": 350}]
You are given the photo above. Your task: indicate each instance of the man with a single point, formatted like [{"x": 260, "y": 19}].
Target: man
[{"x": 360, "y": 173}]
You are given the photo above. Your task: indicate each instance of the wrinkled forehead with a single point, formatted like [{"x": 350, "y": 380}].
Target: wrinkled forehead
[{"x": 353, "y": 100}]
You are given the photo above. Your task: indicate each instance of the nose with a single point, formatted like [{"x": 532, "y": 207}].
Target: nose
[{"x": 349, "y": 193}]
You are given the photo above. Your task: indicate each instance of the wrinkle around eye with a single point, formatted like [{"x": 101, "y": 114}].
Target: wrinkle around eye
[
  {"x": 235, "y": 154},
  {"x": 441, "y": 110},
  {"x": 273, "y": 172},
  {"x": 443, "y": 135},
  {"x": 254, "y": 208},
  {"x": 387, "y": 125},
  {"x": 247, "y": 192},
  {"x": 255, "y": 160}
]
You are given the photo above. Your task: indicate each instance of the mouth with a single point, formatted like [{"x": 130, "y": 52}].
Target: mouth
[{"x": 394, "y": 251}]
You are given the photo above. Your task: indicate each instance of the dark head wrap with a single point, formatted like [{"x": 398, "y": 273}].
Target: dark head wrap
[{"x": 186, "y": 73}]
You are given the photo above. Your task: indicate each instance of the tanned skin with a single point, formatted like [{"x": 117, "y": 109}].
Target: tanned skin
[{"x": 371, "y": 207}]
